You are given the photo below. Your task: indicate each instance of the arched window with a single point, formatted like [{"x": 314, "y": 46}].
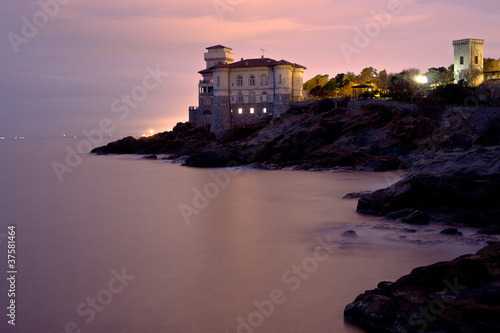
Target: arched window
[
  {"x": 240, "y": 98},
  {"x": 252, "y": 80},
  {"x": 240, "y": 81},
  {"x": 207, "y": 112},
  {"x": 263, "y": 80},
  {"x": 264, "y": 97},
  {"x": 252, "y": 98}
]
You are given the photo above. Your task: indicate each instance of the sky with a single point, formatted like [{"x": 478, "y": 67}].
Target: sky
[{"x": 123, "y": 67}]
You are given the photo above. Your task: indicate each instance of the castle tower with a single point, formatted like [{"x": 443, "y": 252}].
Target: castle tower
[
  {"x": 218, "y": 53},
  {"x": 469, "y": 60}
]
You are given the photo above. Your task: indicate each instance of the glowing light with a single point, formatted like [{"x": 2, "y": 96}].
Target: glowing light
[{"x": 421, "y": 79}]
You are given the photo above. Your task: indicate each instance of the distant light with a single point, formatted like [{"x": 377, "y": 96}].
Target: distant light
[
  {"x": 2, "y": 138},
  {"x": 422, "y": 79}
]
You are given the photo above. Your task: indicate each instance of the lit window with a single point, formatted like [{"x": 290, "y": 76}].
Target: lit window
[
  {"x": 240, "y": 81},
  {"x": 240, "y": 111},
  {"x": 240, "y": 98},
  {"x": 264, "y": 97},
  {"x": 252, "y": 80},
  {"x": 252, "y": 110},
  {"x": 264, "y": 110}
]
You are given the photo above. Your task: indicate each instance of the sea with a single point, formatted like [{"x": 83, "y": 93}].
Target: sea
[{"x": 120, "y": 244}]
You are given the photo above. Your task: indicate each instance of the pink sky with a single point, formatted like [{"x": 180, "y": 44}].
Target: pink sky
[{"x": 92, "y": 44}]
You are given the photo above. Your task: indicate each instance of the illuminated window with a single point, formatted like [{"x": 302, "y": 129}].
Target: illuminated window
[
  {"x": 264, "y": 97},
  {"x": 252, "y": 110},
  {"x": 252, "y": 80},
  {"x": 240, "y": 98},
  {"x": 252, "y": 97},
  {"x": 240, "y": 111},
  {"x": 264, "y": 110},
  {"x": 240, "y": 81}
]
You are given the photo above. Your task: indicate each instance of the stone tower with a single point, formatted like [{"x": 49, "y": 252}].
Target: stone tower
[
  {"x": 217, "y": 54},
  {"x": 469, "y": 60}
]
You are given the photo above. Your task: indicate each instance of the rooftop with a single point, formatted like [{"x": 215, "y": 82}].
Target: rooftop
[
  {"x": 258, "y": 62},
  {"x": 218, "y": 47}
]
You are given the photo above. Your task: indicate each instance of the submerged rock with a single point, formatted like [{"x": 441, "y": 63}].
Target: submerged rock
[
  {"x": 350, "y": 234},
  {"x": 451, "y": 231},
  {"x": 462, "y": 295}
]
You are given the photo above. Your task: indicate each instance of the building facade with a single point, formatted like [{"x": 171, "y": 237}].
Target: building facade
[
  {"x": 469, "y": 59},
  {"x": 232, "y": 93}
]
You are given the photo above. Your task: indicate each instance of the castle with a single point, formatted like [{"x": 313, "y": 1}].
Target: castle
[{"x": 232, "y": 93}]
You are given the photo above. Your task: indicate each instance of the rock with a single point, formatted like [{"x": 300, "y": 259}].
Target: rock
[
  {"x": 463, "y": 186},
  {"x": 452, "y": 232},
  {"x": 462, "y": 295},
  {"x": 356, "y": 195},
  {"x": 490, "y": 230},
  {"x": 416, "y": 217},
  {"x": 350, "y": 234},
  {"x": 149, "y": 157}
]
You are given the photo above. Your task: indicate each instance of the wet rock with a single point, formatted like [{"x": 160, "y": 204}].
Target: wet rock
[
  {"x": 350, "y": 234},
  {"x": 464, "y": 185},
  {"x": 451, "y": 232},
  {"x": 149, "y": 157},
  {"x": 490, "y": 230},
  {"x": 462, "y": 295},
  {"x": 416, "y": 217},
  {"x": 356, "y": 195}
]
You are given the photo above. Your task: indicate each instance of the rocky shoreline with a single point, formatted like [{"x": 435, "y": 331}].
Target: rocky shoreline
[
  {"x": 453, "y": 158},
  {"x": 462, "y": 295}
]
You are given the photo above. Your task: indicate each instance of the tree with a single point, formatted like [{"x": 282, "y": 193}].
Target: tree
[
  {"x": 404, "y": 86},
  {"x": 340, "y": 80},
  {"x": 450, "y": 74},
  {"x": 491, "y": 65},
  {"x": 331, "y": 88},
  {"x": 437, "y": 76},
  {"x": 367, "y": 75},
  {"x": 318, "y": 80},
  {"x": 383, "y": 81}
]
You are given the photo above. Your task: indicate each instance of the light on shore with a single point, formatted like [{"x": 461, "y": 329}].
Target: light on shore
[{"x": 421, "y": 79}]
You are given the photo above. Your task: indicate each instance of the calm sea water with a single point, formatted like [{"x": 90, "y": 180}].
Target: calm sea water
[{"x": 108, "y": 250}]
